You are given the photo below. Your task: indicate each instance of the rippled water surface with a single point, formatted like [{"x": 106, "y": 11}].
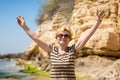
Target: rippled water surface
[{"x": 8, "y": 68}]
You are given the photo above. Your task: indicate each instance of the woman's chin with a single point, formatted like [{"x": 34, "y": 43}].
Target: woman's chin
[{"x": 61, "y": 42}]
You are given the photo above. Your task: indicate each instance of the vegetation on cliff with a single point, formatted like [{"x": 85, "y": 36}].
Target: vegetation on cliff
[{"x": 53, "y": 6}]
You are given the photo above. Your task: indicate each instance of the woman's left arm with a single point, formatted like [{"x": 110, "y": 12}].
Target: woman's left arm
[{"x": 82, "y": 41}]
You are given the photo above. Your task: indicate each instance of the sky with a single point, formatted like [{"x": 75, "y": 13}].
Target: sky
[{"x": 13, "y": 39}]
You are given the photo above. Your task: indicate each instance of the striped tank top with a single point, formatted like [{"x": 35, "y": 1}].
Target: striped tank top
[{"x": 62, "y": 65}]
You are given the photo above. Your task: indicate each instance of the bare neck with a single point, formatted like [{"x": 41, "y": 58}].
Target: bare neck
[{"x": 62, "y": 49}]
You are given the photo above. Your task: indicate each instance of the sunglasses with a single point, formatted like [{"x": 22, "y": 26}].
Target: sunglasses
[{"x": 63, "y": 35}]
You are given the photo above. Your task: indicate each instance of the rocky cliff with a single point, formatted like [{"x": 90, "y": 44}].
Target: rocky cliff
[{"x": 105, "y": 41}]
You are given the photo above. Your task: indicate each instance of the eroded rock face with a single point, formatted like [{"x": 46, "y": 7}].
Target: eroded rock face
[
  {"x": 98, "y": 67},
  {"x": 104, "y": 42},
  {"x": 106, "y": 39}
]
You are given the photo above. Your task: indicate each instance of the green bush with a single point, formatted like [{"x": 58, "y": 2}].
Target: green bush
[{"x": 32, "y": 69}]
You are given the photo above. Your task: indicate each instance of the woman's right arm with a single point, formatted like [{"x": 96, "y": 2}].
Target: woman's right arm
[{"x": 31, "y": 34}]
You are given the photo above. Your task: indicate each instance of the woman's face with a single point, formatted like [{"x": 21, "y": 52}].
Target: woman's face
[{"x": 63, "y": 37}]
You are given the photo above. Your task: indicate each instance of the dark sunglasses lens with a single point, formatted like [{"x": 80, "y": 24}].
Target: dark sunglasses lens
[
  {"x": 60, "y": 35},
  {"x": 65, "y": 35}
]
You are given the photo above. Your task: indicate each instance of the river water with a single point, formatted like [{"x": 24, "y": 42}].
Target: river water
[{"x": 9, "y": 68}]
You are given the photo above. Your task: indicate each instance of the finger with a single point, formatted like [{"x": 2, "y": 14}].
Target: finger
[
  {"x": 20, "y": 17},
  {"x": 18, "y": 20},
  {"x": 102, "y": 12},
  {"x": 97, "y": 11},
  {"x": 103, "y": 15}
]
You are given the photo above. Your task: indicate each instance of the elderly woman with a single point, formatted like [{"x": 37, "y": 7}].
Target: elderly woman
[{"x": 62, "y": 56}]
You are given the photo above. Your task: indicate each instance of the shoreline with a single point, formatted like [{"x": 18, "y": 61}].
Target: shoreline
[{"x": 18, "y": 74}]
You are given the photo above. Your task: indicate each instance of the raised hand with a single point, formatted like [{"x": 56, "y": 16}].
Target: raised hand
[
  {"x": 21, "y": 21},
  {"x": 100, "y": 14}
]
